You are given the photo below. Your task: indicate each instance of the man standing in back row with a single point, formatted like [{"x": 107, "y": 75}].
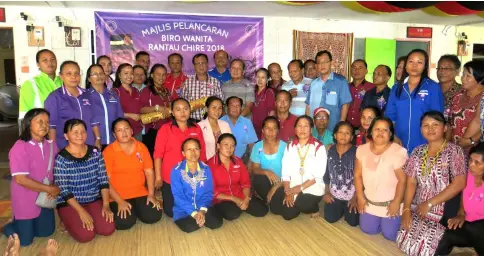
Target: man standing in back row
[
  {"x": 220, "y": 71},
  {"x": 329, "y": 90},
  {"x": 358, "y": 88},
  {"x": 298, "y": 86}
]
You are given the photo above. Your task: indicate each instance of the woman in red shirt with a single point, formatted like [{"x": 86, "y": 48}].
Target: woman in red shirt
[
  {"x": 129, "y": 98},
  {"x": 265, "y": 101},
  {"x": 232, "y": 183},
  {"x": 168, "y": 148},
  {"x": 154, "y": 98}
]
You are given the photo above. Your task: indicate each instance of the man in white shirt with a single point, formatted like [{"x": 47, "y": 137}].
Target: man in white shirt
[{"x": 298, "y": 86}]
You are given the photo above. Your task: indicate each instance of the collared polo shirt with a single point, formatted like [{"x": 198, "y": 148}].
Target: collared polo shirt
[
  {"x": 139, "y": 88},
  {"x": 106, "y": 109},
  {"x": 376, "y": 99},
  {"x": 169, "y": 140},
  {"x": 194, "y": 89},
  {"x": 326, "y": 138},
  {"x": 357, "y": 94},
  {"x": 221, "y": 77},
  {"x": 298, "y": 106},
  {"x": 230, "y": 182},
  {"x": 126, "y": 172},
  {"x": 130, "y": 104},
  {"x": 244, "y": 133},
  {"x": 31, "y": 159},
  {"x": 331, "y": 94},
  {"x": 271, "y": 162},
  {"x": 174, "y": 85},
  {"x": 473, "y": 200},
  {"x": 275, "y": 86},
  {"x": 62, "y": 106},
  {"x": 35, "y": 91},
  {"x": 287, "y": 131},
  {"x": 242, "y": 89}
]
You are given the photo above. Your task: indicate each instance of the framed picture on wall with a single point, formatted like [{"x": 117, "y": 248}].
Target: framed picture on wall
[{"x": 2, "y": 14}]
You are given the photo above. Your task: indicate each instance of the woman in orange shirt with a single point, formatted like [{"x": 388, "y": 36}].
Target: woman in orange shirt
[{"x": 129, "y": 168}]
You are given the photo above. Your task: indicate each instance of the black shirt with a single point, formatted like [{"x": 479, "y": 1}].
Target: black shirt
[{"x": 379, "y": 100}]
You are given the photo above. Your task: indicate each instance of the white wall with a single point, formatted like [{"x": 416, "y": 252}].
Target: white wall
[{"x": 278, "y": 37}]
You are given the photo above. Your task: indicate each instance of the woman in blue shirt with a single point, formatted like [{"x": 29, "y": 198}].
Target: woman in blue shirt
[
  {"x": 105, "y": 104},
  {"x": 192, "y": 188},
  {"x": 411, "y": 97},
  {"x": 266, "y": 160}
]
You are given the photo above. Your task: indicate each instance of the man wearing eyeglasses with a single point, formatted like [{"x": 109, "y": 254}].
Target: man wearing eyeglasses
[
  {"x": 200, "y": 85},
  {"x": 447, "y": 69},
  {"x": 329, "y": 90}
]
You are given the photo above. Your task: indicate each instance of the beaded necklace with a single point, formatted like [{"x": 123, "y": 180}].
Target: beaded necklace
[{"x": 425, "y": 169}]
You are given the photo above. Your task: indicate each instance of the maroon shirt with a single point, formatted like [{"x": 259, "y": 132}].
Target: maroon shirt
[
  {"x": 265, "y": 102},
  {"x": 357, "y": 94},
  {"x": 149, "y": 99},
  {"x": 130, "y": 104},
  {"x": 276, "y": 87},
  {"x": 287, "y": 132}
]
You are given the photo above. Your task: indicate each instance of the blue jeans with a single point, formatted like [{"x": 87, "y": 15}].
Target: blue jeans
[{"x": 27, "y": 230}]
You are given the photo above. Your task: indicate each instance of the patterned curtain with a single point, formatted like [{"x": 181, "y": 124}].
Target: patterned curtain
[{"x": 307, "y": 44}]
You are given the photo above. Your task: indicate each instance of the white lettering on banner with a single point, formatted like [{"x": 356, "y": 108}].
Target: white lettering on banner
[
  {"x": 163, "y": 47},
  {"x": 193, "y": 48},
  {"x": 200, "y": 27},
  {"x": 156, "y": 29},
  {"x": 170, "y": 38},
  {"x": 197, "y": 39}
]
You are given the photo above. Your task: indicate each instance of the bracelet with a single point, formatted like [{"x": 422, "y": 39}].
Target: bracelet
[{"x": 406, "y": 209}]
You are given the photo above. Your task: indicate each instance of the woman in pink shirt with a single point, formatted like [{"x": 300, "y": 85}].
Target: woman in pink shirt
[{"x": 467, "y": 228}]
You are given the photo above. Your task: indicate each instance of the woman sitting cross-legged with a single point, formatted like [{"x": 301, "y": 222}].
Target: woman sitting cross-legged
[
  {"x": 303, "y": 168},
  {"x": 266, "y": 160},
  {"x": 129, "y": 168},
  {"x": 232, "y": 183},
  {"x": 192, "y": 188},
  {"x": 380, "y": 180},
  {"x": 80, "y": 173},
  {"x": 339, "y": 196},
  {"x": 31, "y": 160}
]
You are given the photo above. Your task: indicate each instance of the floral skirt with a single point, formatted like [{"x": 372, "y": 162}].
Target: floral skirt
[{"x": 422, "y": 238}]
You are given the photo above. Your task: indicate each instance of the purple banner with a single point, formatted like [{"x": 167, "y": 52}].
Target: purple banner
[{"x": 120, "y": 35}]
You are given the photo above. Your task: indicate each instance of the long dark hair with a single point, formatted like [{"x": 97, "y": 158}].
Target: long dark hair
[
  {"x": 149, "y": 80},
  {"x": 88, "y": 75},
  {"x": 26, "y": 135},
  {"x": 190, "y": 122},
  {"x": 423, "y": 76},
  {"x": 117, "y": 82}
]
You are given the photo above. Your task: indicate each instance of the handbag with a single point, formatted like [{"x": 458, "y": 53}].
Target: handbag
[{"x": 43, "y": 199}]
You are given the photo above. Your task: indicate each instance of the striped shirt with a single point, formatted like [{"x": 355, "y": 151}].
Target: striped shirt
[
  {"x": 194, "y": 89},
  {"x": 242, "y": 89},
  {"x": 80, "y": 178}
]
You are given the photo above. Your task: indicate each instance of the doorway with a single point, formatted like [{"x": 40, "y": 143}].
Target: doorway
[{"x": 7, "y": 60}]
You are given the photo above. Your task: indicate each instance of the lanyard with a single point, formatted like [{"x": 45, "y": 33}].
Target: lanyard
[{"x": 302, "y": 159}]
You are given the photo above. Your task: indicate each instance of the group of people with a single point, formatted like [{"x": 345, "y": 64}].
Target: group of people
[{"x": 402, "y": 161}]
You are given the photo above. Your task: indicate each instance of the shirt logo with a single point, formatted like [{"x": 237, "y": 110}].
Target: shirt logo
[
  {"x": 236, "y": 166},
  {"x": 423, "y": 93},
  {"x": 85, "y": 102},
  {"x": 193, "y": 134}
]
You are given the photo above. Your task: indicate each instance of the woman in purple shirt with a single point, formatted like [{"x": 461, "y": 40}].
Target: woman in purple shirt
[
  {"x": 71, "y": 102},
  {"x": 31, "y": 161}
]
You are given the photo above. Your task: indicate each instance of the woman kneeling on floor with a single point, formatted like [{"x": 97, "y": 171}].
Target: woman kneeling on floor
[
  {"x": 303, "y": 168},
  {"x": 80, "y": 173},
  {"x": 232, "y": 183},
  {"x": 129, "y": 167},
  {"x": 339, "y": 196},
  {"x": 192, "y": 188}
]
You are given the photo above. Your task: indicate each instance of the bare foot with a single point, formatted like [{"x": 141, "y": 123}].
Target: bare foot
[
  {"x": 13, "y": 246},
  {"x": 62, "y": 228},
  {"x": 9, "y": 246},
  {"x": 51, "y": 248}
]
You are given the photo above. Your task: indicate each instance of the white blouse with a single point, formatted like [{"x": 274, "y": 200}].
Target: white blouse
[{"x": 314, "y": 166}]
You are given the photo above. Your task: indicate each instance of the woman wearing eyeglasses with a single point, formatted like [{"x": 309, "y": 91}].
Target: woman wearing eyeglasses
[
  {"x": 447, "y": 70},
  {"x": 105, "y": 104},
  {"x": 71, "y": 102},
  {"x": 321, "y": 131}
]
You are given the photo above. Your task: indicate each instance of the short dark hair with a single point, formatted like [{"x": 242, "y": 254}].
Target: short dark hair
[
  {"x": 69, "y": 125},
  {"x": 321, "y": 53},
  {"x": 141, "y": 53},
  {"x": 362, "y": 61},
  {"x": 271, "y": 119},
  {"x": 339, "y": 125},
  {"x": 37, "y": 55},
  {"x": 26, "y": 135},
  {"x": 239, "y": 60},
  {"x": 140, "y": 67},
  {"x": 175, "y": 55},
  {"x": 263, "y": 70},
  {"x": 391, "y": 127},
  {"x": 387, "y": 68},
  {"x": 306, "y": 117},
  {"x": 226, "y": 135},
  {"x": 117, "y": 80},
  {"x": 434, "y": 114},
  {"x": 477, "y": 67},
  {"x": 69, "y": 62},
  {"x": 190, "y": 121},
  {"x": 374, "y": 109},
  {"x": 188, "y": 140},
  {"x": 452, "y": 58},
  {"x": 102, "y": 57},
  {"x": 212, "y": 99},
  {"x": 286, "y": 93},
  {"x": 274, "y": 63},
  {"x": 149, "y": 80},
  {"x": 479, "y": 150},
  {"x": 234, "y": 97},
  {"x": 117, "y": 121},
  {"x": 198, "y": 55},
  {"x": 309, "y": 61},
  {"x": 297, "y": 61},
  {"x": 88, "y": 74}
]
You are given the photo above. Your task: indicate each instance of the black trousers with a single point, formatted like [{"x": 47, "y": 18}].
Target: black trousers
[
  {"x": 230, "y": 211},
  {"x": 339, "y": 208},
  {"x": 168, "y": 200},
  {"x": 262, "y": 186},
  {"x": 189, "y": 224},
  {"x": 139, "y": 210},
  {"x": 470, "y": 235},
  {"x": 149, "y": 140},
  {"x": 305, "y": 203}
]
